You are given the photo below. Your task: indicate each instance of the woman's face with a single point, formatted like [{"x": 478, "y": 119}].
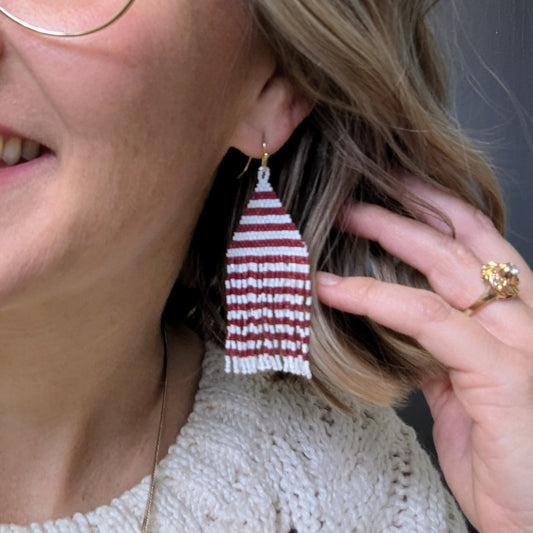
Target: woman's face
[{"x": 137, "y": 117}]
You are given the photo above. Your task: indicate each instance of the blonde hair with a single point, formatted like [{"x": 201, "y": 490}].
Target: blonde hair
[{"x": 378, "y": 83}]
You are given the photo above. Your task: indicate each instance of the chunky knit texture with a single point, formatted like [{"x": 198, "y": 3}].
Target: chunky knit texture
[{"x": 265, "y": 454}]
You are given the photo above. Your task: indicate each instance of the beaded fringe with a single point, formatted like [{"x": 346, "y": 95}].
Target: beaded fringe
[{"x": 268, "y": 289}]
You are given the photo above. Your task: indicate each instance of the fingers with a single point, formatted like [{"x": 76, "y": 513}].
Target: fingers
[
  {"x": 436, "y": 255},
  {"x": 451, "y": 267},
  {"x": 456, "y": 340},
  {"x": 472, "y": 228}
]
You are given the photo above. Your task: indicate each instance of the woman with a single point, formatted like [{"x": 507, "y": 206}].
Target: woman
[{"x": 129, "y": 185}]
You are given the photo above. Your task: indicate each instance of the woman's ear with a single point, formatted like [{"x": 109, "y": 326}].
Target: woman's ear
[{"x": 272, "y": 117}]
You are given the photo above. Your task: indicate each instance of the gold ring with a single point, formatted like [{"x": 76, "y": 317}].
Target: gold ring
[{"x": 502, "y": 284}]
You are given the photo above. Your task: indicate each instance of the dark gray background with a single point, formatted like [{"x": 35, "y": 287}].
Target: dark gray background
[
  {"x": 491, "y": 42},
  {"x": 494, "y": 63}
]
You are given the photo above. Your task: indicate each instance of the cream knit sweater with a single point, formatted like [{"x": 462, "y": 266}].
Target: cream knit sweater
[{"x": 265, "y": 454}]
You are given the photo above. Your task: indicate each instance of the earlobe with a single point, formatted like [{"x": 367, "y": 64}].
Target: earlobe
[{"x": 272, "y": 118}]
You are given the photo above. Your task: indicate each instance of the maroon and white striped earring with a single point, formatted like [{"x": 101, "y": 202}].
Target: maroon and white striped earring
[{"x": 268, "y": 288}]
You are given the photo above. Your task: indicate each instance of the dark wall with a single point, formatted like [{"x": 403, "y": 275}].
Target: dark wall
[{"x": 494, "y": 98}]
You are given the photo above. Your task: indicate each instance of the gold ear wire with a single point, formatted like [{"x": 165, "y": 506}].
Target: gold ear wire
[
  {"x": 266, "y": 155},
  {"x": 264, "y": 161},
  {"x": 245, "y": 169}
]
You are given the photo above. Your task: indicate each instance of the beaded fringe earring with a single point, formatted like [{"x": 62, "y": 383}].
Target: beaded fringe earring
[{"x": 268, "y": 288}]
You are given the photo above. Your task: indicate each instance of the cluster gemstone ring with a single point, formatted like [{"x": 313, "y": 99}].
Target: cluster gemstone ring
[{"x": 502, "y": 283}]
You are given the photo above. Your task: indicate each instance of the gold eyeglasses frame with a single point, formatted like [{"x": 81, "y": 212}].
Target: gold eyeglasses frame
[{"x": 54, "y": 33}]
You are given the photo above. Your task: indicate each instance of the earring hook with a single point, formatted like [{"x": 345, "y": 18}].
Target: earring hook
[
  {"x": 264, "y": 161},
  {"x": 245, "y": 168},
  {"x": 266, "y": 155}
]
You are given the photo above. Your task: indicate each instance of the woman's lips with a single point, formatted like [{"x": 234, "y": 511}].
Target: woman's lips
[
  {"x": 21, "y": 157},
  {"x": 23, "y": 170}
]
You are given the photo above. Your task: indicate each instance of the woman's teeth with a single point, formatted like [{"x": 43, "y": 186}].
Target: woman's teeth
[{"x": 13, "y": 149}]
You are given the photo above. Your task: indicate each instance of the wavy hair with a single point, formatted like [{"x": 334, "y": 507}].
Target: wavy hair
[{"x": 378, "y": 82}]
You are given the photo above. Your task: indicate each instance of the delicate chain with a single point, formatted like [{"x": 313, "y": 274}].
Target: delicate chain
[{"x": 147, "y": 513}]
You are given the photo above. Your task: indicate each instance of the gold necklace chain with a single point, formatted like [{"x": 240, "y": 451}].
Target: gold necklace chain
[{"x": 148, "y": 511}]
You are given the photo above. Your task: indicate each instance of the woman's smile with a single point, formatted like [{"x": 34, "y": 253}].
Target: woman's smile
[{"x": 21, "y": 154}]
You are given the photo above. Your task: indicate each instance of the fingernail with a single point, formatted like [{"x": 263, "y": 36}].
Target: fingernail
[{"x": 325, "y": 278}]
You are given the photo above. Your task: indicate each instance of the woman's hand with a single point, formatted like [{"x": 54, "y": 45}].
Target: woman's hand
[{"x": 483, "y": 405}]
